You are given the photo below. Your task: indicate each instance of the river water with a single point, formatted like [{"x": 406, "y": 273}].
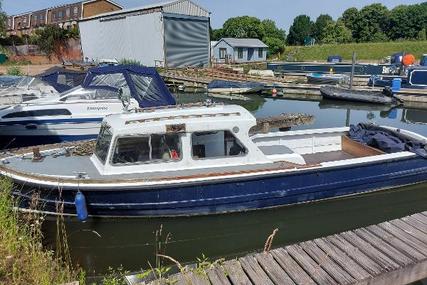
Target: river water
[{"x": 99, "y": 244}]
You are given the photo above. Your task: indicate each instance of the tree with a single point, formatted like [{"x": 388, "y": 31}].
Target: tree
[
  {"x": 301, "y": 28},
  {"x": 271, "y": 30},
  {"x": 52, "y": 39},
  {"x": 349, "y": 18},
  {"x": 336, "y": 33},
  {"x": 3, "y": 19},
  {"x": 217, "y": 34},
  {"x": 321, "y": 22},
  {"x": 406, "y": 21},
  {"x": 243, "y": 27},
  {"x": 371, "y": 24}
]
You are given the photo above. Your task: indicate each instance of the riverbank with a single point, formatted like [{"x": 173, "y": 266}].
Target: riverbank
[
  {"x": 23, "y": 260},
  {"x": 365, "y": 51}
]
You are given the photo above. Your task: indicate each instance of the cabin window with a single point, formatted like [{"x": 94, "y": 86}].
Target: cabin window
[
  {"x": 115, "y": 80},
  {"x": 222, "y": 53},
  {"x": 146, "y": 89},
  {"x": 216, "y": 144},
  {"x": 103, "y": 143},
  {"x": 145, "y": 149},
  {"x": 419, "y": 77},
  {"x": 38, "y": 113},
  {"x": 260, "y": 53},
  {"x": 240, "y": 53}
]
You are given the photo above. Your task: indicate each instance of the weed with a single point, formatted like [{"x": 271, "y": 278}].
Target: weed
[{"x": 14, "y": 70}]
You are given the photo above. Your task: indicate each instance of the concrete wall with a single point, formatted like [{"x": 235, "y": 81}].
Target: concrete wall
[{"x": 138, "y": 37}]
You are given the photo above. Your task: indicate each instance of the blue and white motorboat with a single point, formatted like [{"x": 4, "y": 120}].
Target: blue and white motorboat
[
  {"x": 77, "y": 114},
  {"x": 325, "y": 78},
  {"x": 200, "y": 159}
]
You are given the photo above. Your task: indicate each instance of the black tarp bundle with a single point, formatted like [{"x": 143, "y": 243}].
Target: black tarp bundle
[{"x": 386, "y": 140}]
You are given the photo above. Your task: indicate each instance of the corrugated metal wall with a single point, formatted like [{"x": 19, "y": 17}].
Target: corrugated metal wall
[
  {"x": 187, "y": 40},
  {"x": 185, "y": 8},
  {"x": 137, "y": 37}
]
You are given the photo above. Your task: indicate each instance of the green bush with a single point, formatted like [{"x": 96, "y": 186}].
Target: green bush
[{"x": 14, "y": 70}]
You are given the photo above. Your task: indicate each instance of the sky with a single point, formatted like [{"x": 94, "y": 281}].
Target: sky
[{"x": 282, "y": 11}]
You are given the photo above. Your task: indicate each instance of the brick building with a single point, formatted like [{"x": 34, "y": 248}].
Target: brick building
[{"x": 65, "y": 16}]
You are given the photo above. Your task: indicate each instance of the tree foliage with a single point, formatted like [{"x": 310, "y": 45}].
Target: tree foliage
[
  {"x": 52, "y": 39},
  {"x": 301, "y": 28},
  {"x": 252, "y": 27},
  {"x": 318, "y": 28},
  {"x": 335, "y": 32}
]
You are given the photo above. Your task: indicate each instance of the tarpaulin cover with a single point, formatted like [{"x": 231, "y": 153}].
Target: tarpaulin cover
[
  {"x": 233, "y": 84},
  {"x": 386, "y": 140},
  {"x": 62, "y": 79},
  {"x": 144, "y": 83}
]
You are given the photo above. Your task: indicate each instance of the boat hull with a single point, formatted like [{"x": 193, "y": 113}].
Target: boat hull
[
  {"x": 337, "y": 93},
  {"x": 229, "y": 195}
]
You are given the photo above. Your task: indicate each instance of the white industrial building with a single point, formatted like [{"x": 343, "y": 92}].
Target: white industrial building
[{"x": 172, "y": 34}]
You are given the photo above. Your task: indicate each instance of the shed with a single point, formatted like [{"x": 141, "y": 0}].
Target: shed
[
  {"x": 232, "y": 50},
  {"x": 170, "y": 34}
]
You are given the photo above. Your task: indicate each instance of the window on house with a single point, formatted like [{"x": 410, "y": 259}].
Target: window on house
[
  {"x": 75, "y": 10},
  {"x": 240, "y": 53},
  {"x": 260, "y": 52},
  {"x": 60, "y": 14},
  {"x": 36, "y": 17},
  {"x": 215, "y": 144},
  {"x": 143, "y": 149},
  {"x": 67, "y": 12},
  {"x": 222, "y": 53}
]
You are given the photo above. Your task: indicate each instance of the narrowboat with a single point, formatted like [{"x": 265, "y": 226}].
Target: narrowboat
[{"x": 200, "y": 160}]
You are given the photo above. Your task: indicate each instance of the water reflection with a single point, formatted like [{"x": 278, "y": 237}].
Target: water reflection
[{"x": 98, "y": 244}]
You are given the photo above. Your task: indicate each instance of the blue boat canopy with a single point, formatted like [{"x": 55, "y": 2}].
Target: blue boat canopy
[
  {"x": 62, "y": 79},
  {"x": 144, "y": 83},
  {"x": 386, "y": 140}
]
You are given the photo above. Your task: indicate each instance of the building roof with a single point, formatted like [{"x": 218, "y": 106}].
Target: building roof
[
  {"x": 253, "y": 43},
  {"x": 161, "y": 5}
]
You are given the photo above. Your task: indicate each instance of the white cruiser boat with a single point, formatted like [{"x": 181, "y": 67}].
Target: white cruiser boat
[
  {"x": 199, "y": 160},
  {"x": 77, "y": 114}
]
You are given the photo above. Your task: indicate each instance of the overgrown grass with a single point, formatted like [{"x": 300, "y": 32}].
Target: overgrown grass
[
  {"x": 365, "y": 51},
  {"x": 23, "y": 260},
  {"x": 14, "y": 70}
]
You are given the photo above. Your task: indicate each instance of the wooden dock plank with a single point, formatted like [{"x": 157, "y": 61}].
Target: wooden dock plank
[
  {"x": 402, "y": 235},
  {"x": 291, "y": 267},
  {"x": 273, "y": 269},
  {"x": 192, "y": 278},
  {"x": 356, "y": 254},
  {"x": 416, "y": 223},
  {"x": 218, "y": 276},
  {"x": 377, "y": 256},
  {"x": 387, "y": 249},
  {"x": 420, "y": 218},
  {"x": 396, "y": 242},
  {"x": 310, "y": 266},
  {"x": 328, "y": 264},
  {"x": 235, "y": 273},
  {"x": 392, "y": 252},
  {"x": 341, "y": 258},
  {"x": 254, "y": 271},
  {"x": 410, "y": 230}
]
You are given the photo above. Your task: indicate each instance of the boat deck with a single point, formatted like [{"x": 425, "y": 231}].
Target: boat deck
[{"x": 316, "y": 158}]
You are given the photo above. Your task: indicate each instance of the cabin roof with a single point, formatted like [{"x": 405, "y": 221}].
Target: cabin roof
[
  {"x": 246, "y": 42},
  {"x": 193, "y": 114}
]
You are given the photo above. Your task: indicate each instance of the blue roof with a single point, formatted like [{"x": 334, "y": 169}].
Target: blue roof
[{"x": 144, "y": 83}]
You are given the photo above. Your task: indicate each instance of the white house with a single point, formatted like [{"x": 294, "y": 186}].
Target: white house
[{"x": 232, "y": 50}]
